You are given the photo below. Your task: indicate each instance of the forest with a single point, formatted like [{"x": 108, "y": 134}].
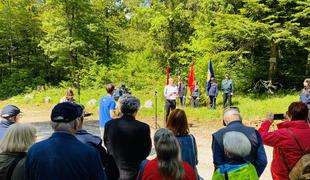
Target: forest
[{"x": 87, "y": 43}]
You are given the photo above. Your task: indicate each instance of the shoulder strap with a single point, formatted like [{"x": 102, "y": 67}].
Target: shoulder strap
[
  {"x": 141, "y": 169},
  {"x": 226, "y": 173},
  {"x": 290, "y": 131},
  {"x": 284, "y": 159},
  {"x": 11, "y": 168}
]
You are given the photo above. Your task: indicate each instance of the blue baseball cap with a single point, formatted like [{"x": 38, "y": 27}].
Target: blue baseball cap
[
  {"x": 66, "y": 112},
  {"x": 10, "y": 111}
]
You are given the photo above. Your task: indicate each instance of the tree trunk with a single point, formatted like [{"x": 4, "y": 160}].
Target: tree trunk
[{"x": 274, "y": 59}]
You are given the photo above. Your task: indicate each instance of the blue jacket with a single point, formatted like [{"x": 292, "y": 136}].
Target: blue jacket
[
  {"x": 305, "y": 97},
  {"x": 63, "y": 157},
  {"x": 4, "y": 125},
  {"x": 85, "y": 137},
  {"x": 213, "y": 91},
  {"x": 257, "y": 156},
  {"x": 188, "y": 150}
]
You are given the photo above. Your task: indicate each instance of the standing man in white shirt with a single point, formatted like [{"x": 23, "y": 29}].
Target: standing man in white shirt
[{"x": 171, "y": 93}]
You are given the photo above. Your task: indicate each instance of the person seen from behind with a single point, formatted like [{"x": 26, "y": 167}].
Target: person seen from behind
[
  {"x": 10, "y": 114},
  {"x": 13, "y": 150},
  {"x": 127, "y": 139},
  {"x": 96, "y": 142},
  {"x": 233, "y": 122},
  {"x": 290, "y": 141},
  {"x": 178, "y": 124},
  {"x": 236, "y": 146},
  {"x": 168, "y": 163},
  {"x": 62, "y": 156},
  {"x": 107, "y": 108}
]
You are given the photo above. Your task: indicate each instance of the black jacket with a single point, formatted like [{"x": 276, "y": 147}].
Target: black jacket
[
  {"x": 12, "y": 166},
  {"x": 129, "y": 142}
]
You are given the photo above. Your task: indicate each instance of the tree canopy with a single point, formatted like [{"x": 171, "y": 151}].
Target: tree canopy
[{"x": 92, "y": 42}]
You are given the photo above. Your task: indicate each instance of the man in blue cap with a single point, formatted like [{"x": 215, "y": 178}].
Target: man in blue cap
[
  {"x": 10, "y": 115},
  {"x": 63, "y": 156}
]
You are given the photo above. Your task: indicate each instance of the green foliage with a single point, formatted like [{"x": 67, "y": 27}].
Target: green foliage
[{"x": 89, "y": 43}]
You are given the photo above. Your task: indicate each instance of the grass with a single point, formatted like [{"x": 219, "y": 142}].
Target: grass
[{"x": 252, "y": 107}]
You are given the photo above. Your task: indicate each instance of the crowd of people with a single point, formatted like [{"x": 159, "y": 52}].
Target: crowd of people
[{"x": 125, "y": 143}]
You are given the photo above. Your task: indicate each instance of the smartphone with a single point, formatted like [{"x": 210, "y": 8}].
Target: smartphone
[{"x": 278, "y": 116}]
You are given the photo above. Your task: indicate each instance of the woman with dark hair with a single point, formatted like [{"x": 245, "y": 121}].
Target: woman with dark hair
[
  {"x": 178, "y": 124},
  {"x": 167, "y": 164},
  {"x": 69, "y": 96},
  {"x": 289, "y": 142}
]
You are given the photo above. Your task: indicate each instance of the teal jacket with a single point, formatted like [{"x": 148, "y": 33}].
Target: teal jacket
[{"x": 227, "y": 86}]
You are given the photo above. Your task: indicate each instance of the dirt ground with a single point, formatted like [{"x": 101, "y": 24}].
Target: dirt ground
[{"x": 202, "y": 132}]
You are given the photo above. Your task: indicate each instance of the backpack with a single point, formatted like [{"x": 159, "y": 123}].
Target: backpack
[
  {"x": 235, "y": 172},
  {"x": 301, "y": 169}
]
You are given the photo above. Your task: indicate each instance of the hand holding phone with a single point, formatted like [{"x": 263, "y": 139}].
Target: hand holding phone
[{"x": 278, "y": 116}]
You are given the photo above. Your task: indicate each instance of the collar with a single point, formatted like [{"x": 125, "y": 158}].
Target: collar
[
  {"x": 81, "y": 131},
  {"x": 235, "y": 123},
  {"x": 6, "y": 123},
  {"x": 62, "y": 134},
  {"x": 128, "y": 116}
]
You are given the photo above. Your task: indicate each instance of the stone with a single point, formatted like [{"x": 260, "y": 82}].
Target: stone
[
  {"x": 92, "y": 102},
  {"x": 148, "y": 104},
  {"x": 47, "y": 99},
  {"x": 29, "y": 96}
]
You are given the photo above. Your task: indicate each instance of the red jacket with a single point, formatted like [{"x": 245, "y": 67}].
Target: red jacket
[
  {"x": 281, "y": 138},
  {"x": 151, "y": 171}
]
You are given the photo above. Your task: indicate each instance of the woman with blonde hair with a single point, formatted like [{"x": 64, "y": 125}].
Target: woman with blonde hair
[{"x": 13, "y": 147}]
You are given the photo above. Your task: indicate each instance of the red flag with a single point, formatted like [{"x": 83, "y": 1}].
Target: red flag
[
  {"x": 167, "y": 74},
  {"x": 191, "y": 78}
]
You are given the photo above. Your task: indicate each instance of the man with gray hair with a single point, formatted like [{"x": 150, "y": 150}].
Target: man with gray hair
[
  {"x": 236, "y": 146},
  {"x": 233, "y": 122},
  {"x": 127, "y": 140},
  {"x": 63, "y": 156}
]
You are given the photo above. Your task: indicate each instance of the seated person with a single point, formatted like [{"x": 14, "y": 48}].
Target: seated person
[{"x": 236, "y": 146}]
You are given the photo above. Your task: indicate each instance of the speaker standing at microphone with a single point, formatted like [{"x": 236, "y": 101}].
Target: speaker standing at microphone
[{"x": 171, "y": 93}]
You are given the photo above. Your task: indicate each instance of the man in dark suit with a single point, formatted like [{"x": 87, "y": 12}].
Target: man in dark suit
[{"x": 127, "y": 139}]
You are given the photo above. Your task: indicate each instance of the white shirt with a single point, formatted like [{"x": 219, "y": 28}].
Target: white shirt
[{"x": 171, "y": 92}]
